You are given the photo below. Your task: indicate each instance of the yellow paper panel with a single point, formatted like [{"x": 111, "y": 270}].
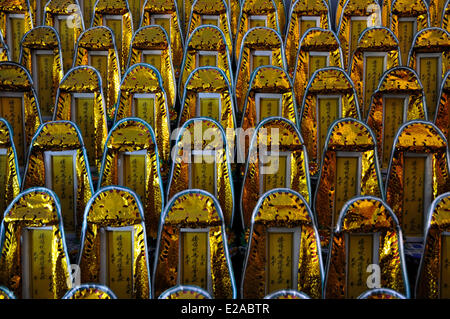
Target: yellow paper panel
[
  {"x": 40, "y": 253},
  {"x": 305, "y": 25},
  {"x": 445, "y": 267},
  {"x": 413, "y": 196},
  {"x": 277, "y": 177},
  {"x": 207, "y": 60},
  {"x": 153, "y": 59},
  {"x": 260, "y": 60},
  {"x": 393, "y": 118},
  {"x": 257, "y": 22},
  {"x": 195, "y": 259},
  {"x": 17, "y": 26},
  {"x": 203, "y": 172},
  {"x": 210, "y": 21},
  {"x": 116, "y": 26},
  {"x": 63, "y": 186},
  {"x": 328, "y": 113},
  {"x": 3, "y": 175},
  {"x": 84, "y": 110},
  {"x": 374, "y": 68},
  {"x": 11, "y": 110},
  {"x": 120, "y": 263},
  {"x": 356, "y": 28},
  {"x": 280, "y": 261},
  {"x": 346, "y": 182},
  {"x": 317, "y": 62},
  {"x": 360, "y": 255},
  {"x": 165, "y": 23},
  {"x": 406, "y": 31},
  {"x": 100, "y": 63},
  {"x": 134, "y": 173},
  {"x": 430, "y": 80},
  {"x": 144, "y": 108},
  {"x": 268, "y": 107},
  {"x": 67, "y": 38},
  {"x": 210, "y": 107},
  {"x": 45, "y": 83}
]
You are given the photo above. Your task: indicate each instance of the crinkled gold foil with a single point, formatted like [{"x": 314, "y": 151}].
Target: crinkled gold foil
[
  {"x": 346, "y": 135},
  {"x": 156, "y": 7},
  {"x": 210, "y": 80},
  {"x": 15, "y": 78},
  {"x": 442, "y": 120},
  {"x": 187, "y": 139},
  {"x": 314, "y": 41},
  {"x": 353, "y": 8},
  {"x": 446, "y": 18},
  {"x": 12, "y": 179},
  {"x": 234, "y": 9},
  {"x": 401, "y": 81},
  {"x": 43, "y": 38},
  {"x": 367, "y": 215},
  {"x": 4, "y": 51},
  {"x": 380, "y": 40},
  {"x": 300, "y": 9},
  {"x": 256, "y": 39},
  {"x": 436, "y": 8},
  {"x": 90, "y": 291},
  {"x": 283, "y": 208},
  {"x": 329, "y": 81},
  {"x": 417, "y": 137},
  {"x": 205, "y": 38},
  {"x": 289, "y": 140},
  {"x": 59, "y": 136},
  {"x": 84, "y": 79},
  {"x": 37, "y": 207},
  {"x": 140, "y": 78},
  {"x": 129, "y": 135},
  {"x": 185, "y": 292},
  {"x": 101, "y": 39},
  {"x": 250, "y": 8},
  {"x": 154, "y": 38},
  {"x": 116, "y": 7},
  {"x": 114, "y": 206},
  {"x": 193, "y": 209}
]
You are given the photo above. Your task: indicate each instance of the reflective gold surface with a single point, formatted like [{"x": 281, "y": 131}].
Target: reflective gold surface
[
  {"x": 442, "y": 120},
  {"x": 91, "y": 291}
]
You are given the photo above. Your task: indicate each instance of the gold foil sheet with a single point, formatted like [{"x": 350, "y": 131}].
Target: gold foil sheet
[
  {"x": 188, "y": 139},
  {"x": 257, "y": 39},
  {"x": 4, "y": 51},
  {"x": 305, "y": 14},
  {"x": 196, "y": 210},
  {"x": 60, "y": 136},
  {"x": 442, "y": 120},
  {"x": 288, "y": 210},
  {"x": 115, "y": 206},
  {"x": 435, "y": 42},
  {"x": 141, "y": 79},
  {"x": 337, "y": 183},
  {"x": 249, "y": 8},
  {"x": 329, "y": 82},
  {"x": 132, "y": 135},
  {"x": 446, "y": 18},
  {"x": 283, "y": 136},
  {"x": 210, "y": 80},
  {"x": 234, "y": 7},
  {"x": 185, "y": 292},
  {"x": 205, "y": 38},
  {"x": 432, "y": 279},
  {"x": 398, "y": 99},
  {"x": 418, "y": 137},
  {"x": 12, "y": 28},
  {"x": 115, "y": 14},
  {"x": 15, "y": 78},
  {"x": 436, "y": 8},
  {"x": 9, "y": 174},
  {"x": 367, "y": 216},
  {"x": 47, "y": 73},
  {"x": 153, "y": 38},
  {"x": 91, "y": 120},
  {"x": 350, "y": 29},
  {"x": 35, "y": 208},
  {"x": 406, "y": 18},
  {"x": 90, "y": 291},
  {"x": 69, "y": 28},
  {"x": 318, "y": 49},
  {"x": 153, "y": 10},
  {"x": 101, "y": 39},
  {"x": 376, "y": 52},
  {"x": 272, "y": 81}
]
